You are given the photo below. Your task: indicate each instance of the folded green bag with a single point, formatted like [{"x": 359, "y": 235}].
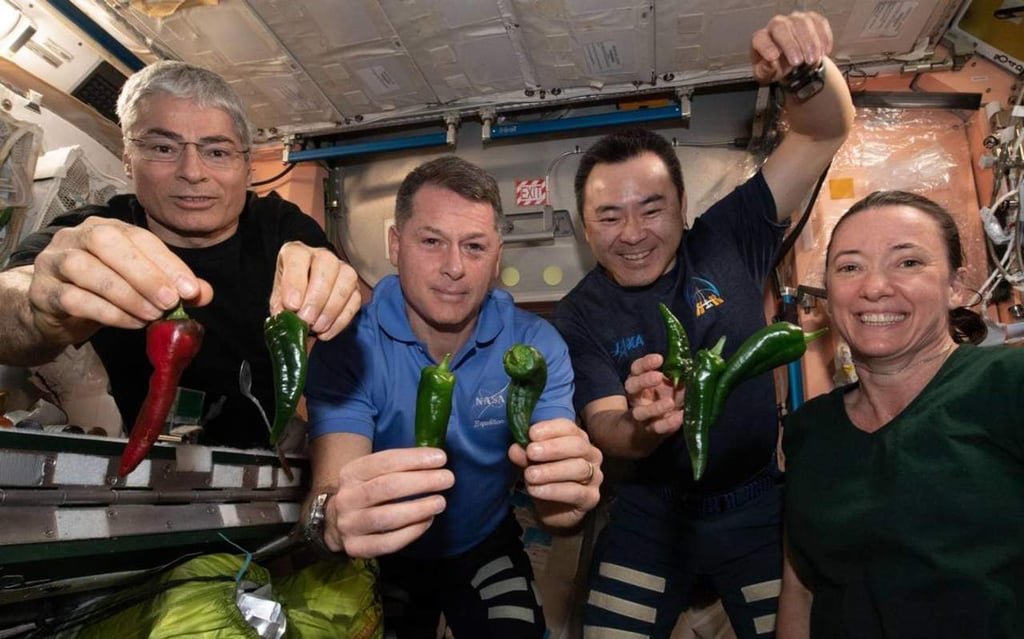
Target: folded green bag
[{"x": 330, "y": 598}]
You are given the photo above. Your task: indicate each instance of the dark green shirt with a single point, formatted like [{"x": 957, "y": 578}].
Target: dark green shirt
[{"x": 916, "y": 530}]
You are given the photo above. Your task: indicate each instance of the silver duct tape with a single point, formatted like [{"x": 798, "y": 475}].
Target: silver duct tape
[{"x": 265, "y": 615}]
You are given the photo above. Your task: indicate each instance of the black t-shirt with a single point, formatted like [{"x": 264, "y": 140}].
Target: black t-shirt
[
  {"x": 716, "y": 288},
  {"x": 241, "y": 271}
]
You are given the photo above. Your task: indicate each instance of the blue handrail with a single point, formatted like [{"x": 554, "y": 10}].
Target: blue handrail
[
  {"x": 348, "y": 150},
  {"x": 600, "y": 119}
]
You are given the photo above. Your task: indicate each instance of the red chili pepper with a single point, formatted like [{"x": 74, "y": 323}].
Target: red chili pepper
[{"x": 171, "y": 343}]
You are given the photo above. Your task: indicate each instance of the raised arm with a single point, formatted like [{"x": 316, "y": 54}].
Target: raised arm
[{"x": 819, "y": 125}]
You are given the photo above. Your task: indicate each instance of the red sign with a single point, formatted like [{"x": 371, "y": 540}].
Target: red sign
[{"x": 531, "y": 192}]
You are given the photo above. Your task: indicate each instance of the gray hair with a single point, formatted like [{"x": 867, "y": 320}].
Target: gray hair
[{"x": 182, "y": 80}]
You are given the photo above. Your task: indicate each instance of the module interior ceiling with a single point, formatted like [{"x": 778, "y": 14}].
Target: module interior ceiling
[{"x": 305, "y": 66}]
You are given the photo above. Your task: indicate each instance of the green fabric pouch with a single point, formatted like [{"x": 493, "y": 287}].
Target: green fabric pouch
[{"x": 196, "y": 599}]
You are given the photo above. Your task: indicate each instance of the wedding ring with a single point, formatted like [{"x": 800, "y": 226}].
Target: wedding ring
[{"x": 590, "y": 475}]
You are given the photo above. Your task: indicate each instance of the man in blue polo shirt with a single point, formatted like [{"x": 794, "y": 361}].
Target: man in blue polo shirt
[{"x": 441, "y": 520}]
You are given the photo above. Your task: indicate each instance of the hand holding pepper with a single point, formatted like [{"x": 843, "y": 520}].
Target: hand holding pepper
[
  {"x": 386, "y": 500},
  {"x": 653, "y": 403},
  {"x": 123, "y": 276},
  {"x": 321, "y": 288},
  {"x": 171, "y": 343},
  {"x": 561, "y": 471}
]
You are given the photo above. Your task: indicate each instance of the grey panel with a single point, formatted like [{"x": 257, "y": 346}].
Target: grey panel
[{"x": 317, "y": 66}]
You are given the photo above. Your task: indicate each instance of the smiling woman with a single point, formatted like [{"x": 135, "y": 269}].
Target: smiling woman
[
  {"x": 903, "y": 467},
  {"x": 894, "y": 271}
]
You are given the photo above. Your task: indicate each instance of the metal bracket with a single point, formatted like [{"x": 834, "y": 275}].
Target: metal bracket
[
  {"x": 807, "y": 296},
  {"x": 927, "y": 64},
  {"x": 554, "y": 224}
]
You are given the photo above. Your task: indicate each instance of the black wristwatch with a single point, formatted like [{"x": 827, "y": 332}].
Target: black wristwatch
[
  {"x": 313, "y": 527},
  {"x": 805, "y": 81}
]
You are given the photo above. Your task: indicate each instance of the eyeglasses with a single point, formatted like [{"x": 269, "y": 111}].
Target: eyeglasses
[{"x": 215, "y": 155}]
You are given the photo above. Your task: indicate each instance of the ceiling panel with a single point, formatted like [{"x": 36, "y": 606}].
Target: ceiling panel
[
  {"x": 462, "y": 49},
  {"x": 317, "y": 66},
  {"x": 573, "y": 45}
]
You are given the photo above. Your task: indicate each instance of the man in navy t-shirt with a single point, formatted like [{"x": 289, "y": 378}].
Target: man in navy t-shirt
[{"x": 669, "y": 536}]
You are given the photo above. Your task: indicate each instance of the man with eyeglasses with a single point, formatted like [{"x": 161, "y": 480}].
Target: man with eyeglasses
[{"x": 190, "y": 233}]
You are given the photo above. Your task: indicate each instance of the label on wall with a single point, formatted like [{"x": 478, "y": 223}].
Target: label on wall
[{"x": 531, "y": 192}]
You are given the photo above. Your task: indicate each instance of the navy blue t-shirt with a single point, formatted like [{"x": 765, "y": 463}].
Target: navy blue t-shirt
[
  {"x": 241, "y": 271},
  {"x": 716, "y": 288}
]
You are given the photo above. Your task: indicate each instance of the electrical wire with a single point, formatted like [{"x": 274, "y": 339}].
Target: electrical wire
[
  {"x": 286, "y": 171},
  {"x": 1007, "y": 193},
  {"x": 790, "y": 240}
]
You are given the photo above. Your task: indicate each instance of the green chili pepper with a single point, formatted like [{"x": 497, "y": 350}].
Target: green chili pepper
[
  {"x": 434, "y": 403},
  {"x": 772, "y": 346},
  {"x": 285, "y": 335},
  {"x": 528, "y": 371},
  {"x": 678, "y": 359},
  {"x": 699, "y": 404}
]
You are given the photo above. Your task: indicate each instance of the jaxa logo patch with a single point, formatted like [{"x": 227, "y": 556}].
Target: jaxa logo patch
[
  {"x": 703, "y": 295},
  {"x": 627, "y": 347}
]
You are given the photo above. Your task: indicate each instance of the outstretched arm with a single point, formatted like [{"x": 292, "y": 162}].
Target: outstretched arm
[{"x": 102, "y": 272}]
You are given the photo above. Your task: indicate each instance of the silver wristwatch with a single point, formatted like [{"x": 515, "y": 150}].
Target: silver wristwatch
[{"x": 315, "y": 516}]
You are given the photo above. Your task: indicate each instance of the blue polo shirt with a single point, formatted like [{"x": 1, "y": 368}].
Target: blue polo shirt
[{"x": 364, "y": 381}]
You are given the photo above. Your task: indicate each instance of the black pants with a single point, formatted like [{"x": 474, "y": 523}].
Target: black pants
[{"x": 488, "y": 591}]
